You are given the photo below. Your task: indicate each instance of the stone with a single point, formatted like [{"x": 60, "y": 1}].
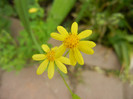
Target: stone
[
  {"x": 27, "y": 85},
  {"x": 15, "y": 27},
  {"x": 128, "y": 91},
  {"x": 99, "y": 86}
]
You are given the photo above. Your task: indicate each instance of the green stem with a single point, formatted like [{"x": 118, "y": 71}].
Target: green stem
[
  {"x": 66, "y": 53},
  {"x": 35, "y": 41},
  {"x": 65, "y": 83}
]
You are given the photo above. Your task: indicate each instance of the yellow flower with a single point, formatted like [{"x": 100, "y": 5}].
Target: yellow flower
[
  {"x": 50, "y": 60},
  {"x": 33, "y": 10},
  {"x": 74, "y": 43}
]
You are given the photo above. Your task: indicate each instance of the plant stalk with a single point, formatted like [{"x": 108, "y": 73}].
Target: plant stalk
[{"x": 65, "y": 83}]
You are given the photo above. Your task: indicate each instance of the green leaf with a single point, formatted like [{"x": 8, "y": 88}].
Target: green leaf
[
  {"x": 22, "y": 9},
  {"x": 59, "y": 11},
  {"x": 126, "y": 56},
  {"x": 83, "y": 9},
  {"x": 118, "y": 51},
  {"x": 129, "y": 38}
]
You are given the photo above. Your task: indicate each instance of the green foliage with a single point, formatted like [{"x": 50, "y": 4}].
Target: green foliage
[
  {"x": 36, "y": 15},
  {"x": 8, "y": 48},
  {"x": 112, "y": 26},
  {"x": 122, "y": 46},
  {"x": 6, "y": 8},
  {"x": 23, "y": 47},
  {"x": 8, "y": 45},
  {"x": 4, "y": 23}
]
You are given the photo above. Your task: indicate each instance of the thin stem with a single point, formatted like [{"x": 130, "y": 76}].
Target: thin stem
[
  {"x": 35, "y": 41},
  {"x": 65, "y": 83},
  {"x": 66, "y": 53}
]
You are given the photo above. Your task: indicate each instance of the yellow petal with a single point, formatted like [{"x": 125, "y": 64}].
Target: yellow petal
[
  {"x": 55, "y": 48},
  {"x": 58, "y": 36},
  {"x": 86, "y": 49},
  {"x": 78, "y": 56},
  {"x": 62, "y": 30},
  {"x": 51, "y": 70},
  {"x": 64, "y": 60},
  {"x": 38, "y": 57},
  {"x": 61, "y": 66},
  {"x": 74, "y": 28},
  {"x": 85, "y": 34},
  {"x": 90, "y": 44},
  {"x": 60, "y": 51},
  {"x": 72, "y": 58},
  {"x": 45, "y": 48},
  {"x": 42, "y": 67}
]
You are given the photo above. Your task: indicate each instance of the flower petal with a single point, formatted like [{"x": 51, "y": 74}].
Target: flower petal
[
  {"x": 58, "y": 36},
  {"x": 90, "y": 44},
  {"x": 74, "y": 28},
  {"x": 78, "y": 56},
  {"x": 42, "y": 67},
  {"x": 54, "y": 48},
  {"x": 61, "y": 66},
  {"x": 64, "y": 60},
  {"x": 85, "y": 34},
  {"x": 72, "y": 58},
  {"x": 62, "y": 30},
  {"x": 38, "y": 57},
  {"x": 60, "y": 51},
  {"x": 86, "y": 49},
  {"x": 51, "y": 70},
  {"x": 45, "y": 48}
]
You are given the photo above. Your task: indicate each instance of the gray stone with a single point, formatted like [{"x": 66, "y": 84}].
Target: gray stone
[
  {"x": 15, "y": 27},
  {"x": 128, "y": 91},
  {"x": 98, "y": 86},
  {"x": 28, "y": 85}
]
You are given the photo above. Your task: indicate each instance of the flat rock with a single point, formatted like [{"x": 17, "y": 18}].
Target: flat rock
[
  {"x": 28, "y": 85},
  {"x": 128, "y": 91},
  {"x": 98, "y": 86}
]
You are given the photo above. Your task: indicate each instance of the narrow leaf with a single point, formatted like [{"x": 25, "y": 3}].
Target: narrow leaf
[
  {"x": 126, "y": 56},
  {"x": 59, "y": 11},
  {"x": 22, "y": 10}
]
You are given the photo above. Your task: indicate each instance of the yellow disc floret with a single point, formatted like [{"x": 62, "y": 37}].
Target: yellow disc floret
[
  {"x": 51, "y": 55},
  {"x": 71, "y": 41}
]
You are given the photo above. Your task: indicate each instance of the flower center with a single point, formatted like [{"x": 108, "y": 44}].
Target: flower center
[
  {"x": 71, "y": 41},
  {"x": 51, "y": 55}
]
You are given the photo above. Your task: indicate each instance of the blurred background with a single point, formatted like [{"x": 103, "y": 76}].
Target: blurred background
[{"x": 107, "y": 73}]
